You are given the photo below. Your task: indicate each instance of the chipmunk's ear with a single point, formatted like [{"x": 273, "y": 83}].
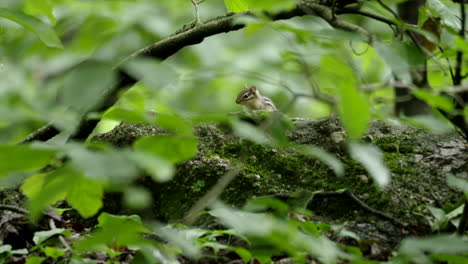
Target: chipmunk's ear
[{"x": 253, "y": 88}]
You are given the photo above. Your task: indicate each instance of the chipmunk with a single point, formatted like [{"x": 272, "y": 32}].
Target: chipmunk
[{"x": 251, "y": 98}]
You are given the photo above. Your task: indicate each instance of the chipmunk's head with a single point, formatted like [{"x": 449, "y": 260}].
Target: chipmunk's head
[{"x": 247, "y": 94}]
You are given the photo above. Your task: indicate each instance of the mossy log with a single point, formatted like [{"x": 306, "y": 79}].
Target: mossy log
[{"x": 419, "y": 163}]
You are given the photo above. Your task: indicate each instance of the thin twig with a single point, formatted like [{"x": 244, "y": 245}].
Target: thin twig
[
  {"x": 195, "y": 4},
  {"x": 14, "y": 208},
  {"x": 389, "y": 9}
]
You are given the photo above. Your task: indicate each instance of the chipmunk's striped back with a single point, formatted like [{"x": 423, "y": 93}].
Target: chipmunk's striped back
[{"x": 251, "y": 98}]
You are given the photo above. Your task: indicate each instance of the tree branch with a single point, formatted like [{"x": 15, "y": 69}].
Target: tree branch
[{"x": 186, "y": 37}]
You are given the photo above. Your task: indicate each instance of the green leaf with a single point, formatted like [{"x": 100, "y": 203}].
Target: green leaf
[
  {"x": 172, "y": 148},
  {"x": 449, "y": 17},
  {"x": 85, "y": 195},
  {"x": 41, "y": 236},
  {"x": 175, "y": 124},
  {"x": 353, "y": 109},
  {"x": 430, "y": 123},
  {"x": 400, "y": 57},
  {"x": 243, "y": 253},
  {"x": 270, "y": 5},
  {"x": 250, "y": 132},
  {"x": 151, "y": 72},
  {"x": 236, "y": 6},
  {"x": 5, "y": 249},
  {"x": 160, "y": 169},
  {"x": 110, "y": 166},
  {"x": 371, "y": 158},
  {"x": 418, "y": 248},
  {"x": 53, "y": 252},
  {"x": 35, "y": 260},
  {"x": 440, "y": 218},
  {"x": 97, "y": 76},
  {"x": 457, "y": 183},
  {"x": 137, "y": 198},
  {"x": 42, "y": 7},
  {"x": 129, "y": 233},
  {"x": 131, "y": 107},
  {"x": 64, "y": 183},
  {"x": 435, "y": 100},
  {"x": 23, "y": 158},
  {"x": 45, "y": 33},
  {"x": 329, "y": 159}
]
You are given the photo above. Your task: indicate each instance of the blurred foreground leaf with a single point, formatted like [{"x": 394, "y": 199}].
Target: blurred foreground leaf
[
  {"x": 45, "y": 33},
  {"x": 86, "y": 85},
  {"x": 42, "y": 236},
  {"x": 236, "y": 6},
  {"x": 331, "y": 160},
  {"x": 172, "y": 148},
  {"x": 419, "y": 248},
  {"x": 84, "y": 195},
  {"x": 23, "y": 158},
  {"x": 371, "y": 158},
  {"x": 114, "y": 231}
]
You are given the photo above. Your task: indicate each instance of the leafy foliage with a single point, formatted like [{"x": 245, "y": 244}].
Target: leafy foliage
[{"x": 60, "y": 59}]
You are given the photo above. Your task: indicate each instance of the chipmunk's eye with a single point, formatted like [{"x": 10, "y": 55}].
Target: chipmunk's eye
[{"x": 246, "y": 95}]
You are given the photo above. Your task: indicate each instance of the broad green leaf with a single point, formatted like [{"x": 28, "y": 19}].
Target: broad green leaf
[
  {"x": 243, "y": 253},
  {"x": 440, "y": 218},
  {"x": 455, "y": 213},
  {"x": 5, "y": 248},
  {"x": 41, "y": 236},
  {"x": 236, "y": 6},
  {"x": 419, "y": 248},
  {"x": 353, "y": 107},
  {"x": 400, "y": 57},
  {"x": 32, "y": 186},
  {"x": 175, "y": 124},
  {"x": 262, "y": 204},
  {"x": 250, "y": 132},
  {"x": 434, "y": 100},
  {"x": 85, "y": 86},
  {"x": 457, "y": 183},
  {"x": 137, "y": 198},
  {"x": 23, "y": 158},
  {"x": 110, "y": 166},
  {"x": 42, "y": 7},
  {"x": 129, "y": 233},
  {"x": 160, "y": 169},
  {"x": 35, "y": 260},
  {"x": 85, "y": 195},
  {"x": 371, "y": 158},
  {"x": 172, "y": 148},
  {"x": 45, "y": 33},
  {"x": 53, "y": 252},
  {"x": 270, "y": 5},
  {"x": 331, "y": 160},
  {"x": 131, "y": 107},
  {"x": 448, "y": 258},
  {"x": 273, "y": 231},
  {"x": 449, "y": 17},
  {"x": 185, "y": 239},
  {"x": 151, "y": 72},
  {"x": 53, "y": 187},
  {"x": 430, "y": 123}
]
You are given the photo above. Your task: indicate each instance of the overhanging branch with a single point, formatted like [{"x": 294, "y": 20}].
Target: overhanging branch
[{"x": 171, "y": 45}]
